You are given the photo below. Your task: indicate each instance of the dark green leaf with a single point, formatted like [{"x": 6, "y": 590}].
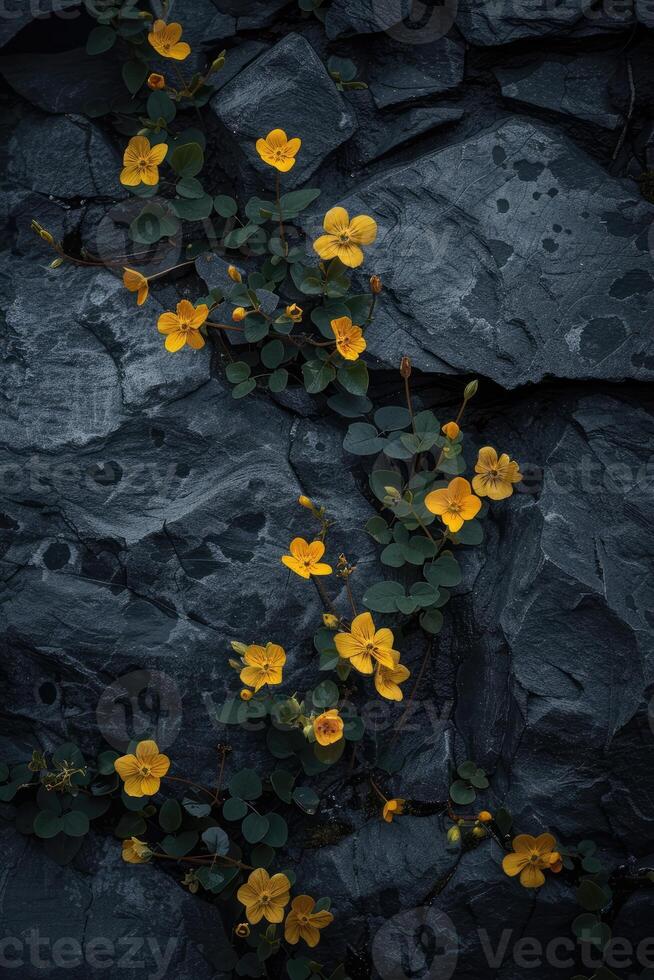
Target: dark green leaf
[
  {"x": 362, "y": 439},
  {"x": 238, "y": 371},
  {"x": 354, "y": 377},
  {"x": 100, "y": 39},
  {"x": 216, "y": 840},
  {"x": 225, "y": 206},
  {"x": 170, "y": 816},
  {"x": 187, "y": 160},
  {"x": 246, "y": 784},
  {"x": 234, "y": 808},
  {"x": 282, "y": 783},
  {"x": 255, "y": 827},
  {"x": 244, "y": 388},
  {"x": 134, "y": 75},
  {"x": 306, "y": 798}
]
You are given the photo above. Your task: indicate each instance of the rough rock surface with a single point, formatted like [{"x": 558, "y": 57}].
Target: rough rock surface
[{"x": 143, "y": 510}]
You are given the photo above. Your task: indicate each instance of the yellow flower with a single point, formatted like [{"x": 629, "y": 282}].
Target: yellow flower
[
  {"x": 294, "y": 312},
  {"x": 141, "y": 162},
  {"x": 136, "y": 283},
  {"x": 392, "y": 808},
  {"x": 264, "y": 897},
  {"x": 264, "y": 665},
  {"x": 142, "y": 771},
  {"x": 183, "y": 327},
  {"x": 303, "y": 923},
  {"x": 484, "y": 816},
  {"x": 242, "y": 930},
  {"x": 349, "y": 338},
  {"x": 453, "y": 835},
  {"x": 388, "y": 679},
  {"x": 239, "y": 314},
  {"x": 451, "y": 430},
  {"x": 531, "y": 856},
  {"x": 495, "y": 477},
  {"x": 364, "y": 645},
  {"x": 330, "y": 621},
  {"x": 165, "y": 39},
  {"x": 305, "y": 502},
  {"x": 136, "y": 851},
  {"x": 328, "y": 727},
  {"x": 234, "y": 274},
  {"x": 156, "y": 81},
  {"x": 278, "y": 151},
  {"x": 454, "y": 504},
  {"x": 344, "y": 237},
  {"x": 246, "y": 694},
  {"x": 304, "y": 558}
]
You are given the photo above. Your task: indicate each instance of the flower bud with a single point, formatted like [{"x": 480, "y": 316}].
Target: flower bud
[
  {"x": 218, "y": 62},
  {"x": 57, "y": 262},
  {"x": 234, "y": 274},
  {"x": 453, "y": 835},
  {"x": 242, "y": 930},
  {"x": 239, "y": 314},
  {"x": 470, "y": 390},
  {"x": 375, "y": 285},
  {"x": 246, "y": 694},
  {"x": 156, "y": 81},
  {"x": 238, "y": 647},
  {"x": 393, "y": 493},
  {"x": 451, "y": 430},
  {"x": 478, "y": 831},
  {"x": 306, "y": 502},
  {"x": 330, "y": 621},
  {"x": 405, "y": 367},
  {"x": 484, "y": 816}
]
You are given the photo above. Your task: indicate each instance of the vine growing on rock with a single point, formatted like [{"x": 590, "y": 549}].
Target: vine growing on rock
[{"x": 286, "y": 310}]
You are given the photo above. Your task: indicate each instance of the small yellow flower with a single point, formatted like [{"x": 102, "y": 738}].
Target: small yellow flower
[
  {"x": 183, "y": 327},
  {"x": 303, "y": 923},
  {"x": 305, "y": 502},
  {"x": 388, "y": 679},
  {"x": 165, "y": 39},
  {"x": 328, "y": 727},
  {"x": 234, "y": 274},
  {"x": 330, "y": 620},
  {"x": 141, "y": 162},
  {"x": 531, "y": 856},
  {"x": 451, "y": 430},
  {"x": 242, "y": 930},
  {"x": 484, "y": 816},
  {"x": 246, "y": 694},
  {"x": 393, "y": 808},
  {"x": 349, "y": 338},
  {"x": 136, "y": 851},
  {"x": 142, "y": 771},
  {"x": 454, "y": 504},
  {"x": 136, "y": 283},
  {"x": 239, "y": 314},
  {"x": 156, "y": 81},
  {"x": 304, "y": 558},
  {"x": 364, "y": 645},
  {"x": 294, "y": 313},
  {"x": 278, "y": 151},
  {"x": 495, "y": 477},
  {"x": 264, "y": 897},
  {"x": 344, "y": 237},
  {"x": 264, "y": 665},
  {"x": 453, "y": 835}
]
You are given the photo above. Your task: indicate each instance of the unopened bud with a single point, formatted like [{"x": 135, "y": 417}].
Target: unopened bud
[
  {"x": 239, "y": 314},
  {"x": 470, "y": 390},
  {"x": 478, "y": 831},
  {"x": 238, "y": 647},
  {"x": 393, "y": 493},
  {"x": 246, "y": 694},
  {"x": 375, "y": 285},
  {"x": 451, "y": 430},
  {"x": 56, "y": 262},
  {"x": 330, "y": 621},
  {"x": 453, "y": 835},
  {"x": 218, "y": 62},
  {"x": 405, "y": 367},
  {"x": 234, "y": 274},
  {"x": 306, "y": 502},
  {"x": 484, "y": 816}
]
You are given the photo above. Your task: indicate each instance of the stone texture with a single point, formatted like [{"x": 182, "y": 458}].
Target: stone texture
[
  {"x": 504, "y": 22},
  {"x": 289, "y": 88},
  {"x": 64, "y": 81},
  {"x": 18, "y": 14},
  {"x": 400, "y": 74},
  {"x": 378, "y": 134}
]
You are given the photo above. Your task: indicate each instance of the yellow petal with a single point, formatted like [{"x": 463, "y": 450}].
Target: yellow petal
[
  {"x": 487, "y": 460},
  {"x": 512, "y": 864},
  {"x": 363, "y": 230},
  {"x": 175, "y": 341},
  {"x": 336, "y": 221},
  {"x": 295, "y": 566},
  {"x": 326, "y": 246},
  {"x": 470, "y": 506},
  {"x": 437, "y": 501},
  {"x": 130, "y": 176},
  {"x": 168, "y": 322},
  {"x": 347, "y": 645},
  {"x": 276, "y": 138},
  {"x": 195, "y": 339},
  {"x": 157, "y": 153},
  {"x": 531, "y": 877},
  {"x": 293, "y": 146},
  {"x": 126, "y": 766},
  {"x": 200, "y": 315},
  {"x": 350, "y": 255}
]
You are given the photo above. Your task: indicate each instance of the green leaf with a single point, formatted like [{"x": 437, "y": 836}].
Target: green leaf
[
  {"x": 47, "y": 824},
  {"x": 298, "y": 968},
  {"x": 180, "y": 845},
  {"x": 190, "y": 187},
  {"x": 467, "y": 769},
  {"x": 216, "y": 840},
  {"x": 75, "y": 823},
  {"x": 225, "y": 206},
  {"x": 306, "y": 798},
  {"x": 444, "y": 571},
  {"x": 152, "y": 224},
  {"x": 255, "y": 827},
  {"x": 277, "y": 834},
  {"x": 383, "y": 597},
  {"x": 462, "y": 793},
  {"x": 393, "y": 556},
  {"x": 234, "y": 808},
  {"x": 130, "y": 825},
  {"x": 187, "y": 160},
  {"x": 272, "y": 353},
  {"x": 161, "y": 106},
  {"x": 392, "y": 417},
  {"x": 106, "y": 762},
  {"x": 100, "y": 39},
  {"x": 343, "y": 67},
  {"x": 504, "y": 820},
  {"x": 170, "y": 816},
  {"x": 325, "y": 695},
  {"x": 196, "y": 809},
  {"x": 354, "y": 377},
  {"x": 282, "y": 782},
  {"x": 195, "y": 209},
  {"x": 278, "y": 380},
  {"x": 378, "y": 529},
  {"x": 349, "y": 406},
  {"x": 590, "y": 929},
  {"x": 134, "y": 75},
  {"x": 362, "y": 439},
  {"x": 317, "y": 375},
  {"x": 472, "y": 533},
  {"x": 296, "y": 201},
  {"x": 244, "y": 388},
  {"x": 591, "y": 896},
  {"x": 246, "y": 784},
  {"x": 238, "y": 371}
]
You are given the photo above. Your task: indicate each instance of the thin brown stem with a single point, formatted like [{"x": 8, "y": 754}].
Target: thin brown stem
[
  {"x": 348, "y": 589},
  {"x": 180, "y": 779},
  {"x": 279, "y": 211},
  {"x": 221, "y": 769},
  {"x": 411, "y": 697},
  {"x": 324, "y": 597},
  {"x": 223, "y": 326}
]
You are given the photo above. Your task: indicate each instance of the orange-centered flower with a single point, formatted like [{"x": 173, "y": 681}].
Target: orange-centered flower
[
  {"x": 328, "y": 727},
  {"x": 278, "y": 151},
  {"x": 264, "y": 897},
  {"x": 136, "y": 283},
  {"x": 303, "y": 923},
  {"x": 165, "y": 39},
  {"x": 142, "y": 771},
  {"x": 454, "y": 504},
  {"x": 495, "y": 477},
  {"x": 294, "y": 313},
  {"x": 364, "y": 645},
  {"x": 349, "y": 338},
  {"x": 141, "y": 162},
  {"x": 183, "y": 327},
  {"x": 156, "y": 81},
  {"x": 304, "y": 558},
  {"x": 136, "y": 851},
  {"x": 388, "y": 679},
  {"x": 393, "y": 808},
  {"x": 344, "y": 237},
  {"x": 264, "y": 665},
  {"x": 531, "y": 856}
]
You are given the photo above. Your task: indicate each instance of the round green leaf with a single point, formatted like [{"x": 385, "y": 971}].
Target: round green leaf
[
  {"x": 47, "y": 824},
  {"x": 170, "y": 816},
  {"x": 244, "y": 388},
  {"x": 234, "y": 808},
  {"x": 306, "y": 798},
  {"x": 75, "y": 823},
  {"x": 216, "y": 840},
  {"x": 225, "y": 206},
  {"x": 255, "y": 827},
  {"x": 246, "y": 784},
  {"x": 277, "y": 833},
  {"x": 100, "y": 39},
  {"x": 462, "y": 793},
  {"x": 187, "y": 160}
]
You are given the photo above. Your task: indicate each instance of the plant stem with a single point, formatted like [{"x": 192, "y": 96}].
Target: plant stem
[
  {"x": 411, "y": 697},
  {"x": 223, "y": 326},
  {"x": 324, "y": 598},
  {"x": 279, "y": 209},
  {"x": 180, "y": 779}
]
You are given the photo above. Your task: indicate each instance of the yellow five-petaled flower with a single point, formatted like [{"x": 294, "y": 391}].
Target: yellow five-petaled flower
[
  {"x": 365, "y": 645},
  {"x": 136, "y": 851},
  {"x": 532, "y": 855},
  {"x": 328, "y": 727},
  {"x": 141, "y": 162},
  {"x": 137, "y": 283},
  {"x": 143, "y": 770},
  {"x": 264, "y": 665},
  {"x": 454, "y": 504},
  {"x": 278, "y": 151},
  {"x": 393, "y": 808},
  {"x": 165, "y": 39},
  {"x": 304, "y": 558},
  {"x": 264, "y": 897},
  {"x": 303, "y": 923},
  {"x": 350, "y": 341},
  {"x": 183, "y": 327},
  {"x": 495, "y": 477},
  {"x": 344, "y": 237}
]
